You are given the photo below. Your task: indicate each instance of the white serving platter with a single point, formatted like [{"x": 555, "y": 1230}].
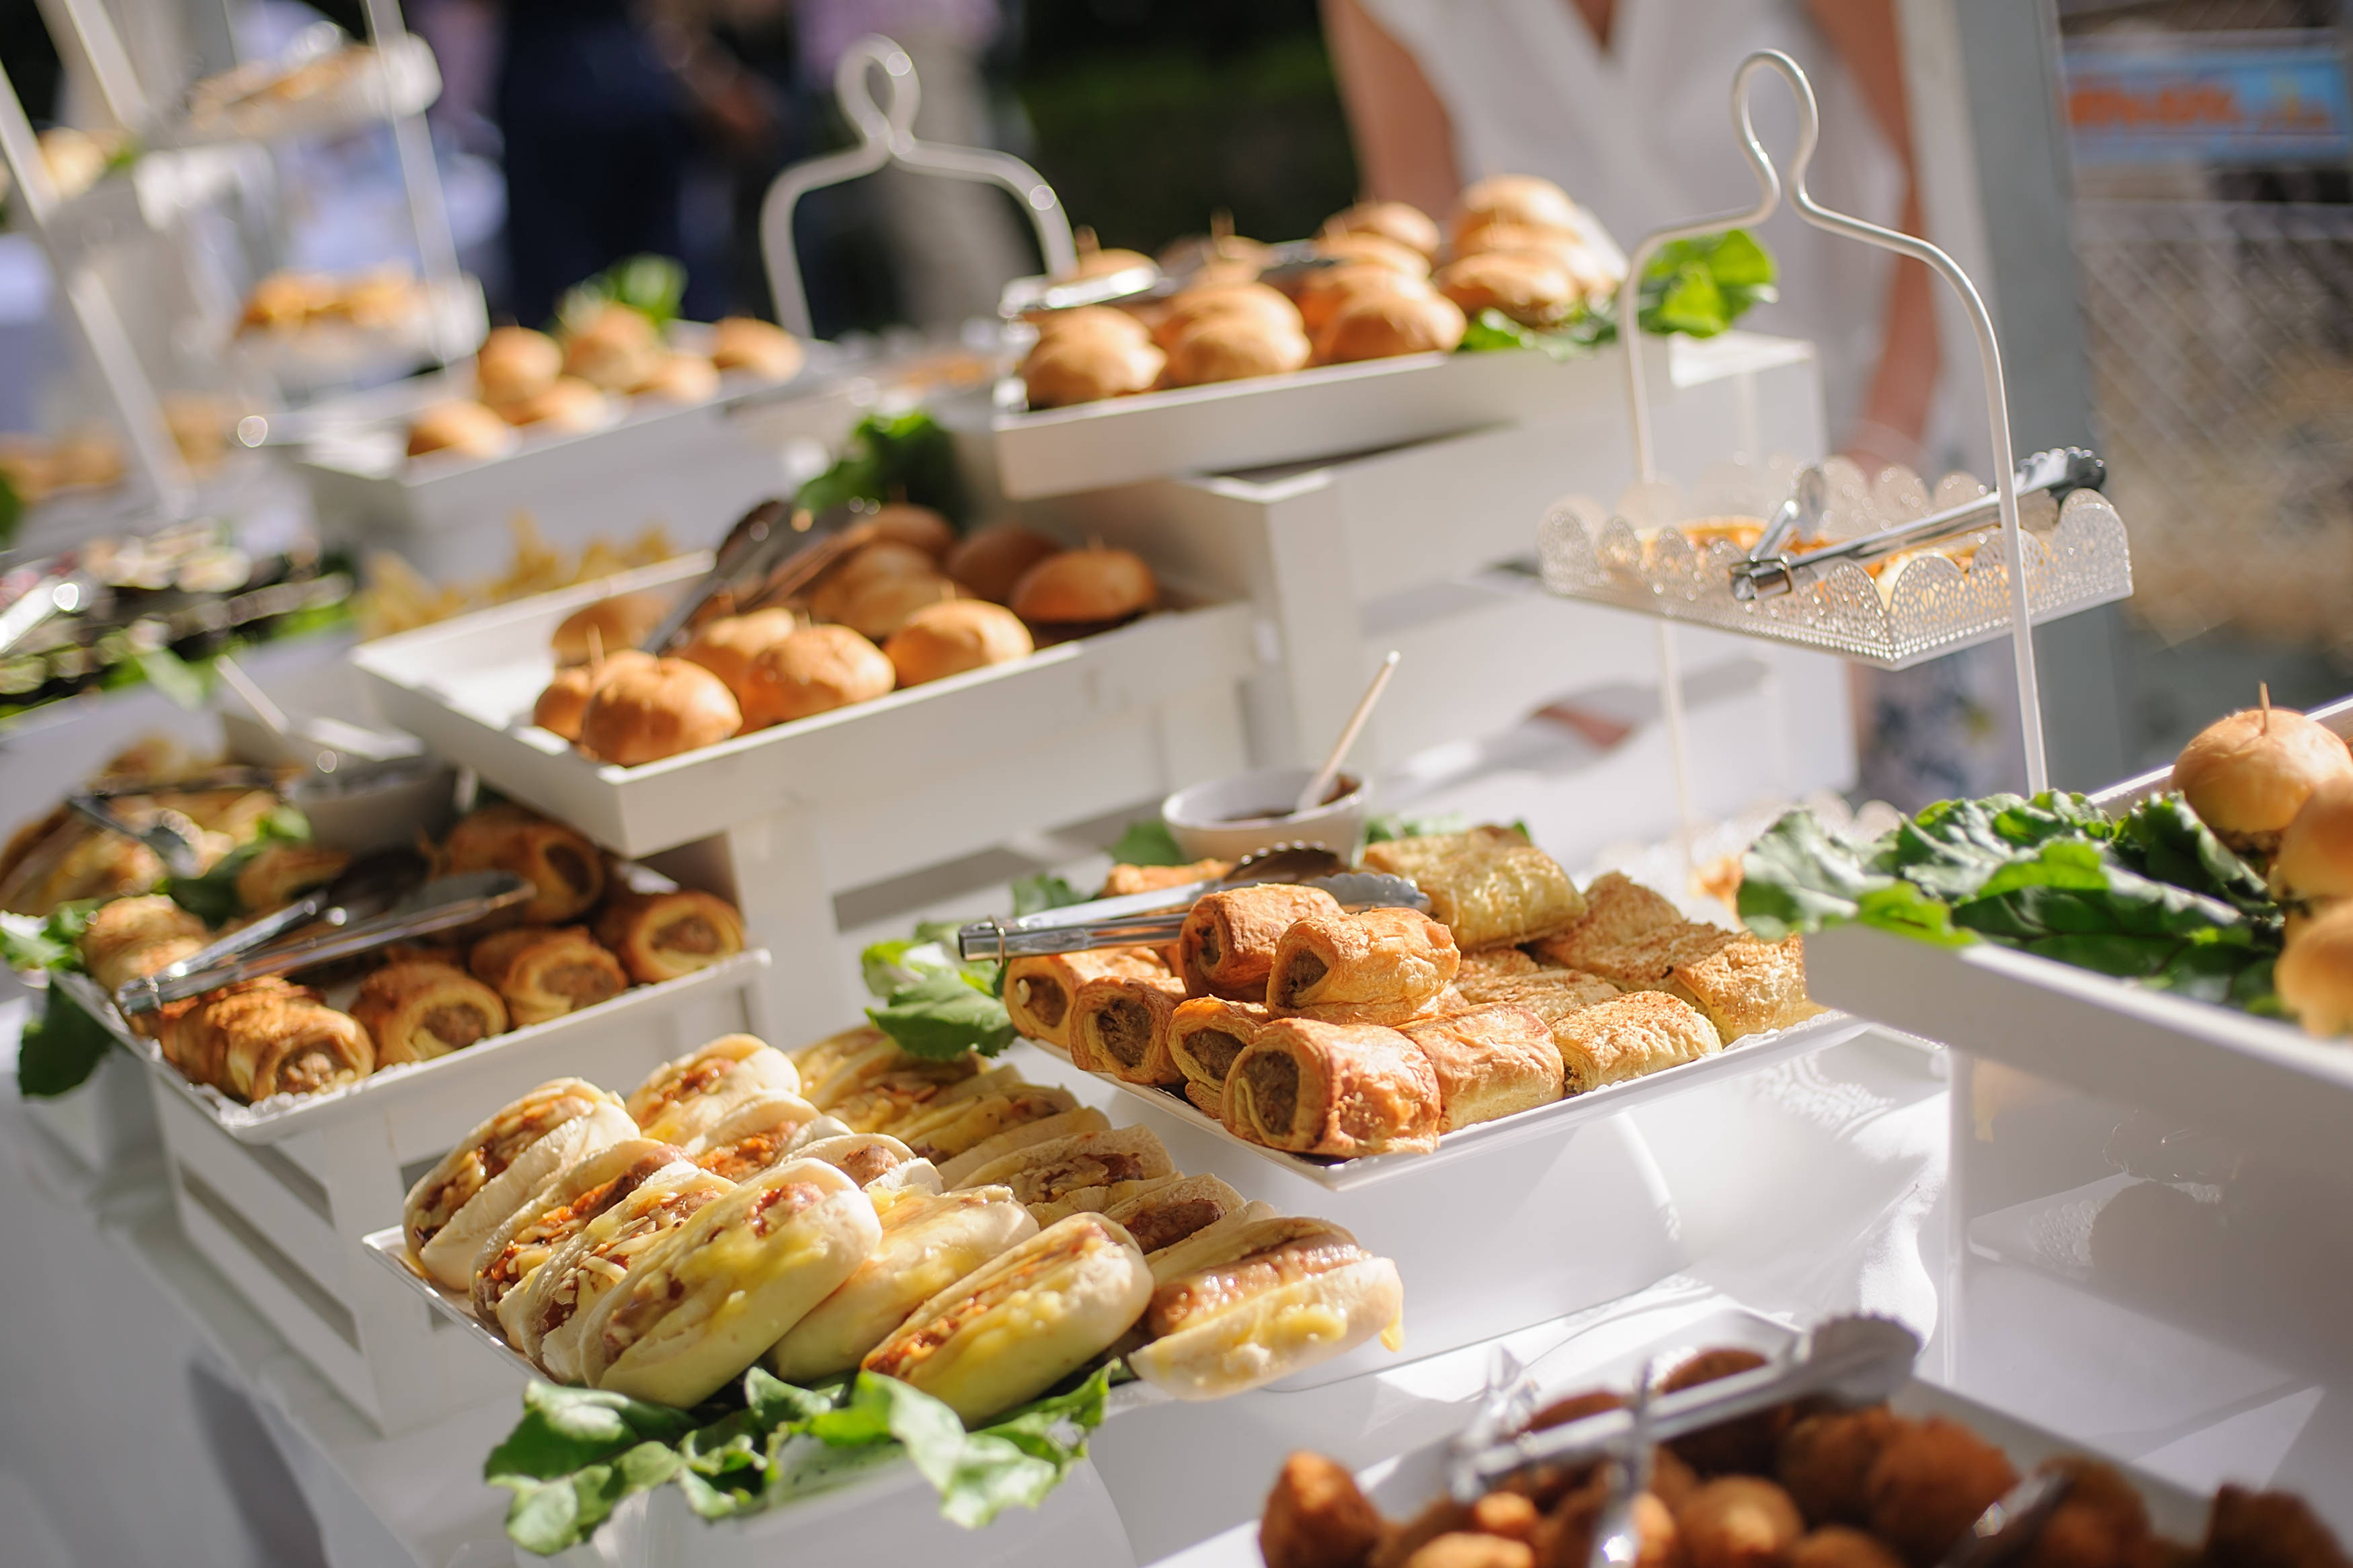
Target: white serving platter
[
  {"x": 1751, "y": 1053},
  {"x": 400, "y": 78},
  {"x": 466, "y": 688}
]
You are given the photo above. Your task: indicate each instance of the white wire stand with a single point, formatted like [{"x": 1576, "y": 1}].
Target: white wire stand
[
  {"x": 886, "y": 136},
  {"x": 2012, "y": 579}
]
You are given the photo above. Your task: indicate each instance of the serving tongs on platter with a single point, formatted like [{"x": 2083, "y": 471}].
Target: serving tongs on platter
[
  {"x": 446, "y": 903},
  {"x": 1769, "y": 570},
  {"x": 1156, "y": 916},
  {"x": 773, "y": 553},
  {"x": 1148, "y": 282}
]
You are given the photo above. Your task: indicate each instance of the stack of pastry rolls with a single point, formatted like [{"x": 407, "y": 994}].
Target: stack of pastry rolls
[
  {"x": 852, "y": 1207},
  {"x": 1310, "y": 1028}
]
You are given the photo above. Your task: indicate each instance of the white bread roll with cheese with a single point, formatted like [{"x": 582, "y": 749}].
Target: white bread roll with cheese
[
  {"x": 957, "y": 1173},
  {"x": 732, "y": 1281},
  {"x": 551, "y": 1312},
  {"x": 559, "y": 1210},
  {"x": 493, "y": 1171},
  {"x": 929, "y": 1242},
  {"x": 1248, "y": 1302},
  {"x": 1022, "y": 1321},
  {"x": 757, "y": 1135},
  {"x": 1090, "y": 1171},
  {"x": 875, "y": 1161},
  {"x": 684, "y": 1098}
]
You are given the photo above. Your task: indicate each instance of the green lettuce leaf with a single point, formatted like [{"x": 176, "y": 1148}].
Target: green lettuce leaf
[
  {"x": 1148, "y": 842},
  {"x": 53, "y": 942},
  {"x": 2162, "y": 838},
  {"x": 60, "y": 1049},
  {"x": 577, "y": 1453},
  {"x": 652, "y": 286},
  {"x": 945, "y": 1015},
  {"x": 1800, "y": 876},
  {"x": 891, "y": 458},
  {"x": 1043, "y": 890},
  {"x": 891, "y": 967},
  {"x": 212, "y": 896}
]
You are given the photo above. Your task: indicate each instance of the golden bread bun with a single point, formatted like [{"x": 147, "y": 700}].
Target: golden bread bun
[
  {"x": 1093, "y": 261},
  {"x": 560, "y": 706},
  {"x": 1235, "y": 348},
  {"x": 1087, "y": 366},
  {"x": 916, "y": 526},
  {"x": 1325, "y": 294},
  {"x": 1080, "y": 586},
  {"x": 467, "y": 428},
  {"x": 1091, "y": 321},
  {"x": 623, "y": 621},
  {"x": 2314, "y": 863},
  {"x": 1529, "y": 287},
  {"x": 2246, "y": 776},
  {"x": 569, "y": 404},
  {"x": 814, "y": 670},
  {"x": 1400, "y": 223},
  {"x": 515, "y": 363},
  {"x": 1520, "y": 199},
  {"x": 2314, "y": 974},
  {"x": 748, "y": 343},
  {"x": 1255, "y": 301},
  {"x": 940, "y": 641},
  {"x": 841, "y": 590},
  {"x": 727, "y": 646},
  {"x": 990, "y": 561},
  {"x": 680, "y": 378},
  {"x": 617, "y": 349},
  {"x": 1372, "y": 250},
  {"x": 1379, "y": 326},
  {"x": 1592, "y": 274},
  {"x": 642, "y": 715},
  {"x": 880, "y": 605}
]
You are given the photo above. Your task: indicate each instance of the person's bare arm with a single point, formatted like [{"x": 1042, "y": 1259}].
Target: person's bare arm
[
  {"x": 1405, "y": 144},
  {"x": 1895, "y": 411}
]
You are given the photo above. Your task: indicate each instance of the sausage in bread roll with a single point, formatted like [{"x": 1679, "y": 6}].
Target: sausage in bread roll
[
  {"x": 1068, "y": 1124},
  {"x": 978, "y": 1109},
  {"x": 553, "y": 1311},
  {"x": 455, "y": 1207},
  {"x": 875, "y": 1161},
  {"x": 759, "y": 1134},
  {"x": 1174, "y": 1210},
  {"x": 662, "y": 936},
  {"x": 558, "y": 1211},
  {"x": 1088, "y": 1171},
  {"x": 683, "y": 1098}
]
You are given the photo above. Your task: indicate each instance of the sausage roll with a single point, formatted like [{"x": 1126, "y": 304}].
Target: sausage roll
[
  {"x": 1066, "y": 1125},
  {"x": 1382, "y": 966},
  {"x": 455, "y": 1205},
  {"x": 1482, "y": 972},
  {"x": 193, "y": 1032},
  {"x": 1746, "y": 986},
  {"x": 1119, "y": 1025},
  {"x": 875, "y": 1161},
  {"x": 1491, "y": 1062},
  {"x": 1630, "y": 1035},
  {"x": 1228, "y": 943},
  {"x": 995, "y": 1103},
  {"x": 279, "y": 873},
  {"x": 1248, "y": 1302},
  {"x": 1039, "y": 991},
  {"x": 759, "y": 1134},
  {"x": 1488, "y": 893},
  {"x": 1172, "y": 1210},
  {"x": 1021, "y": 1322},
  {"x": 1209, "y": 1098},
  {"x": 420, "y": 1010},
  {"x": 560, "y": 865},
  {"x": 929, "y": 1242},
  {"x": 683, "y": 1098},
  {"x": 552, "y": 1311},
  {"x": 705, "y": 1301},
  {"x": 559, "y": 1210},
  {"x": 1617, "y": 909},
  {"x": 1090, "y": 1171},
  {"x": 1342, "y": 1089},
  {"x": 661, "y": 936},
  {"x": 131, "y": 937},
  {"x": 1648, "y": 962},
  {"x": 1124, "y": 880},
  {"x": 1207, "y": 1034},
  {"x": 290, "y": 1043},
  {"x": 543, "y": 973}
]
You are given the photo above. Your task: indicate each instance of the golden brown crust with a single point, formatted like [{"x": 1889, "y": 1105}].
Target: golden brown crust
[
  {"x": 1119, "y": 1026},
  {"x": 277, "y": 1042},
  {"x": 990, "y": 561},
  {"x": 417, "y": 1011},
  {"x": 1124, "y": 880},
  {"x": 1267, "y": 308},
  {"x": 1379, "y": 966},
  {"x": 662, "y": 936},
  {"x": 1208, "y": 1032},
  {"x": 1489, "y": 889},
  {"x": 815, "y": 670},
  {"x": 565, "y": 870},
  {"x": 619, "y": 623},
  {"x": 641, "y": 715},
  {"x": 542, "y": 972},
  {"x": 1490, "y": 1062},
  {"x": 1531, "y": 287},
  {"x": 1650, "y": 961},
  {"x": 1086, "y": 585},
  {"x": 1929, "y": 1484},
  {"x": 1390, "y": 322},
  {"x": 1228, "y": 943},
  {"x": 1617, "y": 909},
  {"x": 565, "y": 700},
  {"x": 1497, "y": 967},
  {"x": 1342, "y": 1089},
  {"x": 1746, "y": 987},
  {"x": 944, "y": 638},
  {"x": 1225, "y": 347},
  {"x": 1316, "y": 1517},
  {"x": 1400, "y": 223},
  {"x": 1629, "y": 1037},
  {"x": 760, "y": 348},
  {"x": 470, "y": 429},
  {"x": 1078, "y": 367},
  {"x": 280, "y": 872},
  {"x": 131, "y": 937},
  {"x": 726, "y": 646},
  {"x": 1039, "y": 991}
]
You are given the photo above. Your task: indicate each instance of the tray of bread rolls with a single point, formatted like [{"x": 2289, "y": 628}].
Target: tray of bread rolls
[
  {"x": 1350, "y": 1046},
  {"x": 594, "y": 960},
  {"x": 888, "y": 681},
  {"x": 1231, "y": 354}
]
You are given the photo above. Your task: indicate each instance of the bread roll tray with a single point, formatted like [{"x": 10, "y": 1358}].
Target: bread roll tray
[
  {"x": 904, "y": 781},
  {"x": 2262, "y": 1082},
  {"x": 398, "y": 78},
  {"x": 1752, "y": 1053}
]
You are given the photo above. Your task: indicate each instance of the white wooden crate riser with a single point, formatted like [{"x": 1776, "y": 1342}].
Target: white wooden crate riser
[{"x": 105, "y": 1123}]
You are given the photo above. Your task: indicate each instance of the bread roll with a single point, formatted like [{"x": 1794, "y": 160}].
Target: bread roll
[
  {"x": 727, "y": 646},
  {"x": 978, "y": 1109},
  {"x": 1323, "y": 294},
  {"x": 2314, "y": 974},
  {"x": 515, "y": 363},
  {"x": 758, "y": 1134},
  {"x": 1397, "y": 222},
  {"x": 757, "y": 347},
  {"x": 1235, "y": 348},
  {"x": 2247, "y": 775},
  {"x": 1070, "y": 368},
  {"x": 562, "y": 705},
  {"x": 917, "y": 526},
  {"x": 685, "y": 1097},
  {"x": 641, "y": 715},
  {"x": 619, "y": 624},
  {"x": 990, "y": 561},
  {"x": 1362, "y": 248},
  {"x": 1522, "y": 199},
  {"x": 569, "y": 404},
  {"x": 815, "y": 670},
  {"x": 557, "y": 1210},
  {"x": 454, "y": 1208},
  {"x": 1171, "y": 1211},
  {"x": 617, "y": 348},
  {"x": 878, "y": 607},
  {"x": 1081, "y": 586},
  {"x": 548, "y": 1318},
  {"x": 1532, "y": 289},
  {"x": 1086, "y": 1170},
  {"x": 468, "y": 429},
  {"x": 1384, "y": 324},
  {"x": 875, "y": 1161},
  {"x": 680, "y": 378},
  {"x": 1247, "y": 1302},
  {"x": 1091, "y": 321},
  {"x": 948, "y": 639},
  {"x": 1256, "y": 302}
]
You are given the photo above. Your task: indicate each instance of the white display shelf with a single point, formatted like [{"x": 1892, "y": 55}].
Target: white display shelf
[
  {"x": 397, "y": 78},
  {"x": 320, "y": 354}
]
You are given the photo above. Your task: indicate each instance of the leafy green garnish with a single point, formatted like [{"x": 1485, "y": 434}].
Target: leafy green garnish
[
  {"x": 53, "y": 942},
  {"x": 60, "y": 1048},
  {"x": 1148, "y": 842},
  {"x": 891, "y": 458},
  {"x": 1695, "y": 287},
  {"x": 12, "y": 512},
  {"x": 652, "y": 286},
  {"x": 889, "y": 967},
  {"x": 1042, "y": 891},
  {"x": 945, "y": 1015},
  {"x": 184, "y": 684},
  {"x": 212, "y": 896},
  {"x": 1388, "y": 828}
]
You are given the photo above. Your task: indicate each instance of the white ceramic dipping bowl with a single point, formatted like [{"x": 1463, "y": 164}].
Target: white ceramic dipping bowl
[{"x": 1227, "y": 818}]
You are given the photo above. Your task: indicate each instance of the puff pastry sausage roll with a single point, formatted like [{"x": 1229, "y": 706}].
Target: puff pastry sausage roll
[
  {"x": 1381, "y": 966},
  {"x": 929, "y": 1242},
  {"x": 1342, "y": 1089},
  {"x": 1491, "y": 888},
  {"x": 289, "y": 1043},
  {"x": 420, "y": 1010},
  {"x": 558, "y": 1211},
  {"x": 1119, "y": 1025},
  {"x": 281, "y": 872},
  {"x": 545, "y": 972},
  {"x": 131, "y": 937},
  {"x": 661, "y": 936},
  {"x": 1089, "y": 1171},
  {"x": 1617, "y": 909},
  {"x": 1022, "y": 1321},
  {"x": 1746, "y": 986},
  {"x": 455, "y": 1207},
  {"x": 1124, "y": 880},
  {"x": 1251, "y": 1300},
  {"x": 1629, "y": 1037},
  {"x": 1039, "y": 991},
  {"x": 563, "y": 866},
  {"x": 562, "y": 1297},
  {"x": 757, "y": 1135},
  {"x": 705, "y": 1301},
  {"x": 1497, "y": 967},
  {"x": 1228, "y": 940},
  {"x": 1207, "y": 1034},
  {"x": 683, "y": 1098},
  {"x": 1490, "y": 1061}
]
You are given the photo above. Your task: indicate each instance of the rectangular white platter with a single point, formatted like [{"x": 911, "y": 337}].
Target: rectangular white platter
[
  {"x": 921, "y": 774},
  {"x": 1753, "y": 1054}
]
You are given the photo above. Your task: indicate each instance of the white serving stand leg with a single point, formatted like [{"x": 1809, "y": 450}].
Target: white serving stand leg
[{"x": 773, "y": 868}]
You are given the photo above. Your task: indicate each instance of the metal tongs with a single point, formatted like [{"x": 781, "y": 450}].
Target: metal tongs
[
  {"x": 1145, "y": 283},
  {"x": 440, "y": 905},
  {"x": 57, "y": 593},
  {"x": 1769, "y": 571},
  {"x": 1156, "y": 916},
  {"x": 773, "y": 552}
]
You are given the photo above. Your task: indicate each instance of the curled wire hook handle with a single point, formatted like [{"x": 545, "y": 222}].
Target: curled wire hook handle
[{"x": 891, "y": 123}]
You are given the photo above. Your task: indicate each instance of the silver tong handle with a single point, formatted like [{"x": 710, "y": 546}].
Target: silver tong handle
[
  {"x": 755, "y": 541},
  {"x": 996, "y": 941},
  {"x": 182, "y": 855},
  {"x": 1767, "y": 573}
]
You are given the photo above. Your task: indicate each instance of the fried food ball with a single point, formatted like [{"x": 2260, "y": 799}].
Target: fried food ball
[
  {"x": 2100, "y": 1523},
  {"x": 1546, "y": 1485},
  {"x": 1929, "y": 1484},
  {"x": 1671, "y": 1481},
  {"x": 1460, "y": 1548},
  {"x": 1842, "y": 1546},
  {"x": 1745, "y": 1445},
  {"x": 1825, "y": 1461},
  {"x": 1576, "y": 1408},
  {"x": 2268, "y": 1529},
  {"x": 1508, "y": 1514},
  {"x": 1565, "y": 1537},
  {"x": 1316, "y": 1517},
  {"x": 1738, "y": 1521},
  {"x": 1398, "y": 1543}
]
